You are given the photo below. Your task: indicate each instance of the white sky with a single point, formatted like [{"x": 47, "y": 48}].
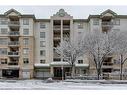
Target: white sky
[{"x": 78, "y": 12}]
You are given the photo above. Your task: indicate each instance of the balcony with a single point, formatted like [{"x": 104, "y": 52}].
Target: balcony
[
  {"x": 13, "y": 54},
  {"x": 107, "y": 24},
  {"x": 14, "y": 24},
  {"x": 66, "y": 27},
  {"x": 13, "y": 33},
  {"x": 13, "y": 63},
  {"x": 58, "y": 37},
  {"x": 13, "y": 43},
  {"x": 56, "y": 27},
  {"x": 107, "y": 65}
]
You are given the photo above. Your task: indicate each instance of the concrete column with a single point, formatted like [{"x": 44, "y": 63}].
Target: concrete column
[
  {"x": 51, "y": 72},
  {"x": 0, "y": 73}
]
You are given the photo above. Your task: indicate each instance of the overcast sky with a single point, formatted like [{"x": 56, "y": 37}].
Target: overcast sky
[{"x": 81, "y": 12}]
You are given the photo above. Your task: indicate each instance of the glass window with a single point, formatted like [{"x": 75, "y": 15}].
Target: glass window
[
  {"x": 42, "y": 52},
  {"x": 80, "y": 26},
  {"x": 3, "y": 21},
  {"x": 42, "y": 25},
  {"x": 4, "y": 31},
  {"x": 3, "y": 51},
  {"x": 26, "y": 51},
  {"x": 42, "y": 34},
  {"x": 26, "y": 41},
  {"x": 25, "y": 21},
  {"x": 25, "y": 31},
  {"x": 42, "y": 61},
  {"x": 42, "y": 43},
  {"x": 3, "y": 61},
  {"x": 25, "y": 60},
  {"x": 116, "y": 22},
  {"x": 95, "y": 21},
  {"x": 3, "y": 41},
  {"x": 80, "y": 61}
]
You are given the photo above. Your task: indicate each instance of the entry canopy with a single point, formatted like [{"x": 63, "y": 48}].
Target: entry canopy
[{"x": 64, "y": 64}]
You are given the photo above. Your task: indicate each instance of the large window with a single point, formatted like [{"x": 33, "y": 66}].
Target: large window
[
  {"x": 42, "y": 52},
  {"x": 25, "y": 31},
  {"x": 42, "y": 43},
  {"x": 3, "y": 41},
  {"x": 3, "y": 31},
  {"x": 80, "y": 25},
  {"x": 3, "y": 61},
  {"x": 95, "y": 21},
  {"x": 80, "y": 61},
  {"x": 3, "y": 51},
  {"x": 26, "y": 41},
  {"x": 116, "y": 22},
  {"x": 25, "y": 51},
  {"x": 25, "y": 60},
  {"x": 42, "y": 34},
  {"x": 42, "y": 61},
  {"x": 3, "y": 21},
  {"x": 42, "y": 25},
  {"x": 25, "y": 21}
]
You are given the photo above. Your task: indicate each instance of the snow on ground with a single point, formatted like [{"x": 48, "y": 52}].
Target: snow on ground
[{"x": 57, "y": 85}]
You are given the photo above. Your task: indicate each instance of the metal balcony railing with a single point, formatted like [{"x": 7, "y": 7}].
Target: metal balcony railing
[
  {"x": 107, "y": 23},
  {"x": 13, "y": 53},
  {"x": 13, "y": 23},
  {"x": 14, "y": 33},
  {"x": 13, "y": 43},
  {"x": 13, "y": 63},
  {"x": 66, "y": 27},
  {"x": 56, "y": 27}
]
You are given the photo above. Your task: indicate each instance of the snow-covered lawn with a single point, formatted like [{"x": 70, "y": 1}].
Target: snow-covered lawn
[{"x": 57, "y": 85}]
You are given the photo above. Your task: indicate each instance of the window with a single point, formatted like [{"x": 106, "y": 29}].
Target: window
[
  {"x": 4, "y": 31},
  {"x": 95, "y": 21},
  {"x": 25, "y": 21},
  {"x": 3, "y": 41},
  {"x": 42, "y": 43},
  {"x": 26, "y": 41},
  {"x": 3, "y": 21},
  {"x": 25, "y": 31},
  {"x": 3, "y": 51},
  {"x": 25, "y": 60},
  {"x": 42, "y": 61},
  {"x": 42, "y": 52},
  {"x": 42, "y": 25},
  {"x": 3, "y": 61},
  {"x": 80, "y": 26},
  {"x": 42, "y": 34},
  {"x": 116, "y": 22},
  {"x": 80, "y": 61},
  {"x": 26, "y": 51}
]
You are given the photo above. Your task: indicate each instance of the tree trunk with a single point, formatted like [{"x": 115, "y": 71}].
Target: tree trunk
[
  {"x": 121, "y": 68},
  {"x": 72, "y": 71},
  {"x": 98, "y": 74}
]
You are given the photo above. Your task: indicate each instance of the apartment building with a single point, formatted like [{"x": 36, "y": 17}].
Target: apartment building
[{"x": 27, "y": 43}]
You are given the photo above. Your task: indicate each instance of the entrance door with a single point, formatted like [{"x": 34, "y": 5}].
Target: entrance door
[
  {"x": 8, "y": 73},
  {"x": 57, "y": 72}
]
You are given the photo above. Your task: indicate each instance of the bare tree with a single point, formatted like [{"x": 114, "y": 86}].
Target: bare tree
[
  {"x": 98, "y": 46},
  {"x": 121, "y": 49},
  {"x": 70, "y": 51}
]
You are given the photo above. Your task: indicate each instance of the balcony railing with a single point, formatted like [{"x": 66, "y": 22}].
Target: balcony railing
[
  {"x": 13, "y": 63},
  {"x": 14, "y": 23},
  {"x": 56, "y": 27},
  {"x": 66, "y": 27},
  {"x": 13, "y": 53},
  {"x": 13, "y": 43},
  {"x": 104, "y": 24},
  {"x": 14, "y": 33}
]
